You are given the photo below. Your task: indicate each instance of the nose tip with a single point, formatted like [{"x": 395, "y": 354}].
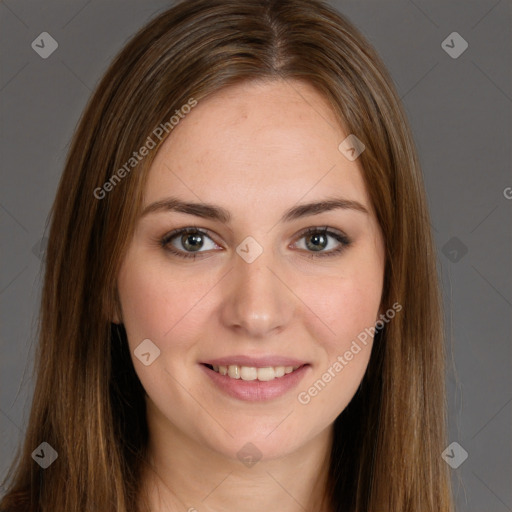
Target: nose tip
[{"x": 257, "y": 303}]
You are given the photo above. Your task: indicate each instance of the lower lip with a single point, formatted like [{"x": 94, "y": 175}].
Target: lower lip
[{"x": 255, "y": 390}]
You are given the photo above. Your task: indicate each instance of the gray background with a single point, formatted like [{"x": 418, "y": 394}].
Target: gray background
[{"x": 460, "y": 112}]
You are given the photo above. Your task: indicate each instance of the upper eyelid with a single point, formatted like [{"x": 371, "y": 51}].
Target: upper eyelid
[{"x": 175, "y": 232}]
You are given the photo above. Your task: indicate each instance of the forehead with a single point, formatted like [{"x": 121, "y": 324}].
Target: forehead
[{"x": 260, "y": 142}]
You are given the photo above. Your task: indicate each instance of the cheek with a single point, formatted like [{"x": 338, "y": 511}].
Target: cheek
[
  {"x": 349, "y": 307},
  {"x": 154, "y": 301},
  {"x": 345, "y": 303}
]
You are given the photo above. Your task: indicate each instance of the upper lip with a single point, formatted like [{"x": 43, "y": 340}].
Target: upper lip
[{"x": 257, "y": 362}]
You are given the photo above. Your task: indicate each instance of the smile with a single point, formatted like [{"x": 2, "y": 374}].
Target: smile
[
  {"x": 254, "y": 384},
  {"x": 268, "y": 373}
]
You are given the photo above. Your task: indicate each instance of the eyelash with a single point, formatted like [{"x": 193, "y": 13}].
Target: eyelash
[{"x": 340, "y": 237}]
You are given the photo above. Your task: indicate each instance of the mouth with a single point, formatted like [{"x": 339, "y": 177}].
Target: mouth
[
  {"x": 248, "y": 373},
  {"x": 255, "y": 383}
]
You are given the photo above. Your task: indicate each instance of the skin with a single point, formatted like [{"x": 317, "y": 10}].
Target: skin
[{"x": 256, "y": 149}]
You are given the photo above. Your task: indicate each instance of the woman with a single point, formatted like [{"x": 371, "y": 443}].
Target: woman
[{"x": 240, "y": 307}]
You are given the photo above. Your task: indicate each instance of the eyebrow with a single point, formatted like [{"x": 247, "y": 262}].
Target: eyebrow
[{"x": 210, "y": 211}]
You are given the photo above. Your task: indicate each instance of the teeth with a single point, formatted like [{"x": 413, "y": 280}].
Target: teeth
[
  {"x": 234, "y": 371},
  {"x": 251, "y": 373}
]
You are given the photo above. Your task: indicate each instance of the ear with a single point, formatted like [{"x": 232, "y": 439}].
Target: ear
[
  {"x": 116, "y": 319},
  {"x": 116, "y": 316},
  {"x": 381, "y": 311}
]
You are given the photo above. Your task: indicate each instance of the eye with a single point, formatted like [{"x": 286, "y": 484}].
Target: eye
[
  {"x": 190, "y": 239},
  {"x": 317, "y": 239}
]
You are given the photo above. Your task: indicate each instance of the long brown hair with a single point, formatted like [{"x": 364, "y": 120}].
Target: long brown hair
[{"x": 88, "y": 403}]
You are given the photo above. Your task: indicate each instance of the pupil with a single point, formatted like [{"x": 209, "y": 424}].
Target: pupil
[
  {"x": 196, "y": 243},
  {"x": 316, "y": 244}
]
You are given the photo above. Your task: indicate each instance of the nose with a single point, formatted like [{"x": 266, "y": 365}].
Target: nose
[{"x": 257, "y": 301}]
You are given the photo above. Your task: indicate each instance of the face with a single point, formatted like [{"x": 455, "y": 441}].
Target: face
[{"x": 257, "y": 280}]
